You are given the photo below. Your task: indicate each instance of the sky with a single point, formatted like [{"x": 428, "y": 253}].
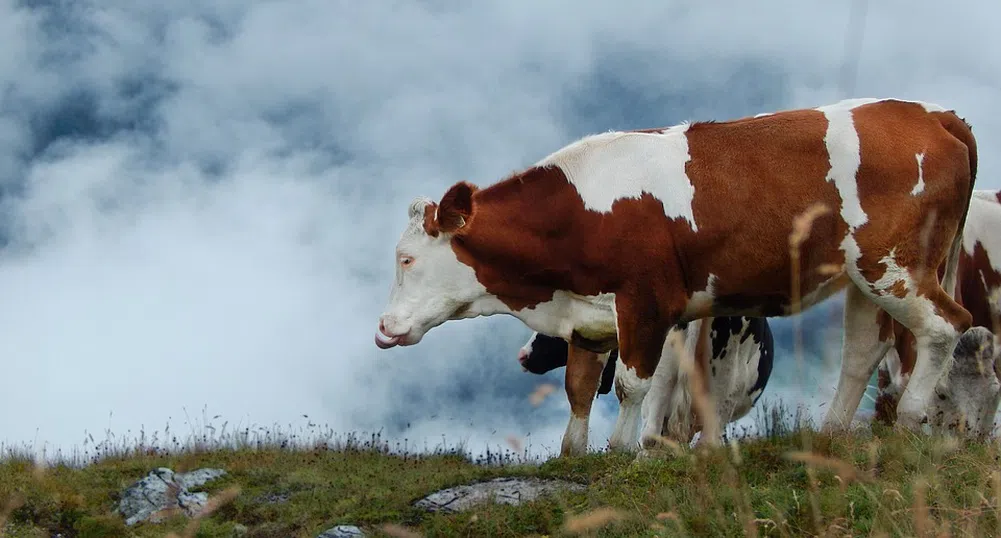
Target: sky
[{"x": 199, "y": 201}]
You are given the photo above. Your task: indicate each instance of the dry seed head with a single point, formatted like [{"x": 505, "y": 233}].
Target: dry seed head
[{"x": 592, "y": 520}]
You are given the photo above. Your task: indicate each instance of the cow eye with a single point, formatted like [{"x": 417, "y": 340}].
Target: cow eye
[{"x": 406, "y": 261}]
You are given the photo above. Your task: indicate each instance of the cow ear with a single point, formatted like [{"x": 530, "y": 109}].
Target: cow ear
[{"x": 456, "y": 207}]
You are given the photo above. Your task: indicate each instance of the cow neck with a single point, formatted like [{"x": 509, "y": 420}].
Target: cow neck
[{"x": 524, "y": 239}]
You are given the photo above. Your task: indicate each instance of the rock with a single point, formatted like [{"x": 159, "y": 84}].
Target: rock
[
  {"x": 163, "y": 489},
  {"x": 343, "y": 531},
  {"x": 512, "y": 491}
]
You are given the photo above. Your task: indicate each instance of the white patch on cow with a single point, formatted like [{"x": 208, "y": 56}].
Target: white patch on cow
[
  {"x": 592, "y": 316},
  {"x": 894, "y": 273},
  {"x": 631, "y": 391},
  {"x": 763, "y": 114},
  {"x": 919, "y": 187},
  {"x": 844, "y": 152},
  {"x": 616, "y": 165},
  {"x": 929, "y": 107},
  {"x": 575, "y": 436},
  {"x": 983, "y": 220}
]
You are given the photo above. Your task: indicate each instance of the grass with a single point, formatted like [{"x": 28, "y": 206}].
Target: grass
[
  {"x": 866, "y": 483},
  {"x": 788, "y": 481}
]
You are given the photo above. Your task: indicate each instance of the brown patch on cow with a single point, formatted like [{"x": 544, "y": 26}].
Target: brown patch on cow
[
  {"x": 977, "y": 279},
  {"x": 583, "y": 372},
  {"x": 913, "y": 130},
  {"x": 530, "y": 234},
  {"x": 752, "y": 262}
]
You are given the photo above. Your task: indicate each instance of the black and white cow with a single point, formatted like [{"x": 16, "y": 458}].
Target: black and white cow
[{"x": 738, "y": 368}]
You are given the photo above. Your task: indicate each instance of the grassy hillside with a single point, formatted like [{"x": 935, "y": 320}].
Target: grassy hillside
[{"x": 788, "y": 483}]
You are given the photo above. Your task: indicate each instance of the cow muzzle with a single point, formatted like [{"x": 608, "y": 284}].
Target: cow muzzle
[{"x": 389, "y": 335}]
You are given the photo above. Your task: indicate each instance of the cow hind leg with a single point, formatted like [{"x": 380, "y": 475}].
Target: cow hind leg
[
  {"x": 937, "y": 325},
  {"x": 583, "y": 374},
  {"x": 861, "y": 351}
]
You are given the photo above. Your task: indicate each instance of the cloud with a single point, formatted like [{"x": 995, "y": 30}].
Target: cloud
[{"x": 200, "y": 199}]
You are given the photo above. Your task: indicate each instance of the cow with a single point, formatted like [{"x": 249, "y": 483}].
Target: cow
[
  {"x": 737, "y": 366},
  {"x": 971, "y": 386},
  {"x": 647, "y": 228}
]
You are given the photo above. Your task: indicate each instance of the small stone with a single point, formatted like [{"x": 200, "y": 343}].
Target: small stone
[
  {"x": 343, "y": 531},
  {"x": 513, "y": 491},
  {"x": 163, "y": 491}
]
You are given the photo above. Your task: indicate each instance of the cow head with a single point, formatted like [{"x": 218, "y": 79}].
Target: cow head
[
  {"x": 970, "y": 392},
  {"x": 543, "y": 353},
  {"x": 431, "y": 285}
]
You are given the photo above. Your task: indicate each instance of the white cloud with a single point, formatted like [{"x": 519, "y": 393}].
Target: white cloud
[{"x": 206, "y": 194}]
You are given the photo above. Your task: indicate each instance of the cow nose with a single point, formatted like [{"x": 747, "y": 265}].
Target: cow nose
[{"x": 522, "y": 355}]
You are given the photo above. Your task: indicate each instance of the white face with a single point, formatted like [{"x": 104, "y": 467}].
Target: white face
[
  {"x": 972, "y": 389},
  {"x": 431, "y": 287}
]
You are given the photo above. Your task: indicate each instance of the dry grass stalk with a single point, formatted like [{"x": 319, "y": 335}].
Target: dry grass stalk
[
  {"x": 15, "y": 501},
  {"x": 224, "y": 497},
  {"x": 670, "y": 444},
  {"x": 702, "y": 400},
  {"x": 924, "y": 238},
  {"x": 781, "y": 523},
  {"x": 399, "y": 531},
  {"x": 802, "y": 225},
  {"x": 593, "y": 520},
  {"x": 922, "y": 519},
  {"x": 542, "y": 391},
  {"x": 996, "y": 485},
  {"x": 846, "y": 472}
]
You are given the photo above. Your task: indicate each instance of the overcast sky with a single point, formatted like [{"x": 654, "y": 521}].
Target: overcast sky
[{"x": 200, "y": 200}]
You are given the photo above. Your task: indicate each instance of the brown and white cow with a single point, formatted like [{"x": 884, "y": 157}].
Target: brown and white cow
[
  {"x": 971, "y": 386},
  {"x": 734, "y": 355},
  {"x": 644, "y": 229}
]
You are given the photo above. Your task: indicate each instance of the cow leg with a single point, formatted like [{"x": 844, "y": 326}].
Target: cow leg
[
  {"x": 663, "y": 385},
  {"x": 642, "y": 334},
  {"x": 937, "y": 328},
  {"x": 861, "y": 351},
  {"x": 583, "y": 374},
  {"x": 630, "y": 391}
]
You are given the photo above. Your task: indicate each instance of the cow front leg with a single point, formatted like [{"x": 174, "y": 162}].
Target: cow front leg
[
  {"x": 642, "y": 332},
  {"x": 630, "y": 391},
  {"x": 583, "y": 375},
  {"x": 663, "y": 384},
  {"x": 862, "y": 350}
]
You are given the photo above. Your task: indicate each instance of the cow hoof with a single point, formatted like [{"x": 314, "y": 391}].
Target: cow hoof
[
  {"x": 619, "y": 448},
  {"x": 911, "y": 421},
  {"x": 644, "y": 454}
]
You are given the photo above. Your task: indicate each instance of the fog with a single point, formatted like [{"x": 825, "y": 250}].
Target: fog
[{"x": 200, "y": 200}]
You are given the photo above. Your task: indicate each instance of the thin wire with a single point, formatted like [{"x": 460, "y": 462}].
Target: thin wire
[{"x": 853, "y": 47}]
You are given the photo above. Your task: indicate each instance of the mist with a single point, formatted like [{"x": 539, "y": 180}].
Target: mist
[{"x": 199, "y": 201}]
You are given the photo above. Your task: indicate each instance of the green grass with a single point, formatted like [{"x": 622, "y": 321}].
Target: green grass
[{"x": 862, "y": 484}]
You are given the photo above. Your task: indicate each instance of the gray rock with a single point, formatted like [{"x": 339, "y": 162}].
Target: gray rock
[
  {"x": 163, "y": 489},
  {"x": 343, "y": 531},
  {"x": 513, "y": 491}
]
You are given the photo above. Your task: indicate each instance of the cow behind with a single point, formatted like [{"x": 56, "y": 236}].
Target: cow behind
[
  {"x": 649, "y": 228},
  {"x": 735, "y": 354}
]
